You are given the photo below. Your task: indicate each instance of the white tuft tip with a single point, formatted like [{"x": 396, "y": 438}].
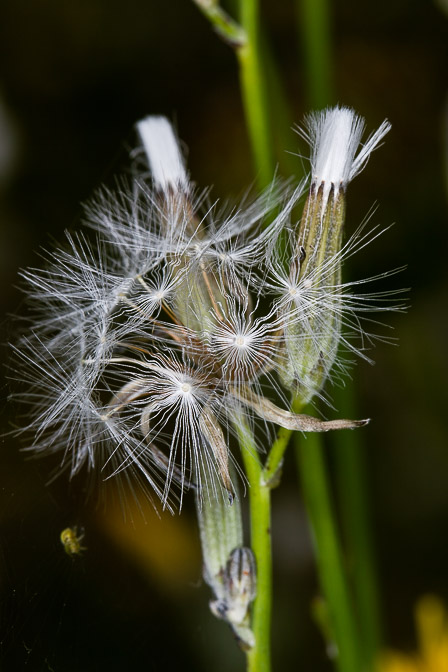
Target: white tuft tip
[
  {"x": 334, "y": 136},
  {"x": 164, "y": 155}
]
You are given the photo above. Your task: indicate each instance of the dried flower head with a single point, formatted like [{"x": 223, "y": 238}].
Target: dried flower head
[{"x": 147, "y": 340}]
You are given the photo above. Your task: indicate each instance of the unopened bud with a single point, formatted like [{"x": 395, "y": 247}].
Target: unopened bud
[
  {"x": 220, "y": 528},
  {"x": 239, "y": 588},
  {"x": 229, "y": 567},
  {"x": 313, "y": 327},
  {"x": 312, "y": 339}
]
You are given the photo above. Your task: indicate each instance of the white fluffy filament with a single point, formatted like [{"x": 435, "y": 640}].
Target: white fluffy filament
[{"x": 334, "y": 136}]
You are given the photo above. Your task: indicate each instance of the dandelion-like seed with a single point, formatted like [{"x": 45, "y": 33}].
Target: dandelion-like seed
[{"x": 147, "y": 340}]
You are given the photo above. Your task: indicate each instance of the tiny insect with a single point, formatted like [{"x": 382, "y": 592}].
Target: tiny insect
[{"x": 71, "y": 541}]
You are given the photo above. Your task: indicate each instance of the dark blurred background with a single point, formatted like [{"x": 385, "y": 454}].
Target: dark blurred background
[{"x": 74, "y": 78}]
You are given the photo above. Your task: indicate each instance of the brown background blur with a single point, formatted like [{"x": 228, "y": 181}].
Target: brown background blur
[{"x": 74, "y": 78}]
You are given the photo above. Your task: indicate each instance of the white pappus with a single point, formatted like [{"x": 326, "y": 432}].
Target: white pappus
[{"x": 146, "y": 340}]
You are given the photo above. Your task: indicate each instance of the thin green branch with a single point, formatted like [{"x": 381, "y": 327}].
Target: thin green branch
[
  {"x": 314, "y": 30},
  {"x": 319, "y": 505},
  {"x": 281, "y": 117},
  {"x": 353, "y": 497},
  {"x": 255, "y": 98},
  {"x": 272, "y": 469},
  {"x": 228, "y": 29},
  {"x": 245, "y": 37},
  {"x": 259, "y": 657}
]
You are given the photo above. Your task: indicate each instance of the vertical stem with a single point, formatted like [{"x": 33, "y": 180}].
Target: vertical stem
[
  {"x": 255, "y": 101},
  {"x": 253, "y": 87},
  {"x": 281, "y": 117},
  {"x": 259, "y": 657},
  {"x": 314, "y": 30},
  {"x": 314, "y": 18},
  {"x": 316, "y": 492},
  {"x": 353, "y": 497}
]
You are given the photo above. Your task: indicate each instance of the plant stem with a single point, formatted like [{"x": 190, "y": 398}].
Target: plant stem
[
  {"x": 281, "y": 117},
  {"x": 275, "y": 457},
  {"x": 225, "y": 26},
  {"x": 353, "y": 496},
  {"x": 314, "y": 27},
  {"x": 259, "y": 657},
  {"x": 314, "y": 30},
  {"x": 256, "y": 68},
  {"x": 318, "y": 501},
  {"x": 320, "y": 508},
  {"x": 253, "y": 88}
]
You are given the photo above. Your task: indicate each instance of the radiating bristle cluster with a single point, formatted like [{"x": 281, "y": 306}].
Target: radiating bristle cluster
[{"x": 147, "y": 342}]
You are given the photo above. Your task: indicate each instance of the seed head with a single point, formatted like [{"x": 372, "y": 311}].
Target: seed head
[{"x": 147, "y": 339}]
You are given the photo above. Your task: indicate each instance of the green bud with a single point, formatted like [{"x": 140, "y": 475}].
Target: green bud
[
  {"x": 313, "y": 318},
  {"x": 229, "y": 567},
  {"x": 312, "y": 335}
]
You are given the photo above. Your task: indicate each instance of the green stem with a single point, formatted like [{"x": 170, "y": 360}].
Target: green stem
[
  {"x": 353, "y": 496},
  {"x": 255, "y": 99},
  {"x": 225, "y": 26},
  {"x": 314, "y": 30},
  {"x": 259, "y": 657},
  {"x": 275, "y": 457},
  {"x": 281, "y": 117},
  {"x": 316, "y": 492},
  {"x": 314, "y": 23}
]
